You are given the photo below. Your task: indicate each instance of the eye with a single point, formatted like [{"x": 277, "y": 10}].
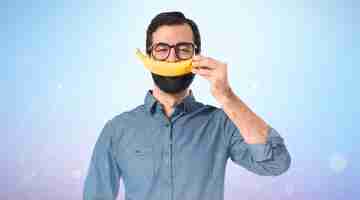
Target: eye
[
  {"x": 185, "y": 50},
  {"x": 185, "y": 47},
  {"x": 161, "y": 48}
]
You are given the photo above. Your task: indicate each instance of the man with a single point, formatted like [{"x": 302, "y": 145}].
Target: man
[{"x": 173, "y": 147}]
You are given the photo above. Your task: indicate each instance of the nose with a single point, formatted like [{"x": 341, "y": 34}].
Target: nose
[{"x": 172, "y": 55}]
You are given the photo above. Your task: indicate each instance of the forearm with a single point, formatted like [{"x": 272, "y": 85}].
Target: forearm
[{"x": 253, "y": 129}]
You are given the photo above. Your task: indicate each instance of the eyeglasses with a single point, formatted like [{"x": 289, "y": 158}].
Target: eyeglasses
[{"x": 183, "y": 50}]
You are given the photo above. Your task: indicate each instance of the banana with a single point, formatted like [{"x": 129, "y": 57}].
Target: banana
[{"x": 165, "y": 68}]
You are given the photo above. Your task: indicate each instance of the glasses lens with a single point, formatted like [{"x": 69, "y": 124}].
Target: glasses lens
[
  {"x": 185, "y": 50},
  {"x": 161, "y": 51}
]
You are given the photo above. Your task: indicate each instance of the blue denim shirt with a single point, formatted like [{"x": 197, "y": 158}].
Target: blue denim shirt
[{"x": 178, "y": 158}]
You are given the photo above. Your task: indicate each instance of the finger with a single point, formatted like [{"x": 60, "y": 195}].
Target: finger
[
  {"x": 202, "y": 71},
  {"x": 207, "y": 63},
  {"x": 202, "y": 68}
]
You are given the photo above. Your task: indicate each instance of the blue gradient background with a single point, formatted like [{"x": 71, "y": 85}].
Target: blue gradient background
[{"x": 67, "y": 67}]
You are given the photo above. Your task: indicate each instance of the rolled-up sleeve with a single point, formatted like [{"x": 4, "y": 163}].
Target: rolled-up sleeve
[
  {"x": 103, "y": 176},
  {"x": 269, "y": 159}
]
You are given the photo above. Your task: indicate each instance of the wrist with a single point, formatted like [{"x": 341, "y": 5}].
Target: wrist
[{"x": 226, "y": 96}]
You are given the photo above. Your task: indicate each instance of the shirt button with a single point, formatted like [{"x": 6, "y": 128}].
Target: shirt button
[{"x": 167, "y": 124}]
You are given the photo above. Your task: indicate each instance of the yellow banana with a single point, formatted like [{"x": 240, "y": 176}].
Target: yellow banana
[{"x": 164, "y": 68}]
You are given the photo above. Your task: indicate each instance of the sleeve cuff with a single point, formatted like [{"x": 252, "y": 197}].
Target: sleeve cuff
[{"x": 262, "y": 152}]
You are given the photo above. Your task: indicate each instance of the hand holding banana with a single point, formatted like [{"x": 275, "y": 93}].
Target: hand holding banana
[{"x": 216, "y": 73}]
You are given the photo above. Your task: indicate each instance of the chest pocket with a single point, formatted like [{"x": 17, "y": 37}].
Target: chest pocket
[{"x": 139, "y": 164}]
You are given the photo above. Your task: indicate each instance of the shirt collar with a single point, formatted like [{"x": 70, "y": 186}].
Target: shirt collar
[{"x": 150, "y": 102}]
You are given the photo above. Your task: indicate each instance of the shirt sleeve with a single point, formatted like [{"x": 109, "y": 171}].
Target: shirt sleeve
[
  {"x": 269, "y": 159},
  {"x": 103, "y": 176}
]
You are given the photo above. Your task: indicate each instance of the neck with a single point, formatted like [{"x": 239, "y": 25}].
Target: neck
[{"x": 169, "y": 100}]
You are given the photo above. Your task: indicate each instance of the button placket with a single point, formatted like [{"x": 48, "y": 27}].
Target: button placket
[{"x": 168, "y": 156}]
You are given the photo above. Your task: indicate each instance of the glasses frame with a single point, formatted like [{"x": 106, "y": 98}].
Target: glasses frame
[{"x": 175, "y": 48}]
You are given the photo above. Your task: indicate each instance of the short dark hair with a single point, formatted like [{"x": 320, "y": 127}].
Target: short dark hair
[{"x": 171, "y": 18}]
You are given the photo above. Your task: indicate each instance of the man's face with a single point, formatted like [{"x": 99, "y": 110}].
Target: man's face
[{"x": 173, "y": 35}]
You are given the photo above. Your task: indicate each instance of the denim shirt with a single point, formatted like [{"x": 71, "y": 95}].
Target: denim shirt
[{"x": 182, "y": 157}]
